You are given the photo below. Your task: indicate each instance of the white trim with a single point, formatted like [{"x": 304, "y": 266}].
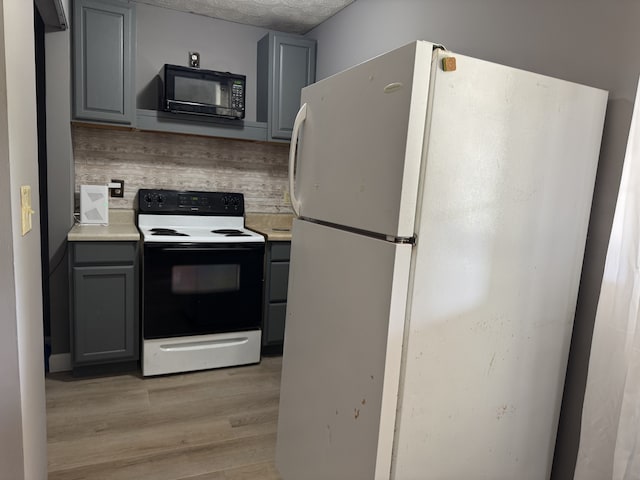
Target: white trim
[{"x": 60, "y": 362}]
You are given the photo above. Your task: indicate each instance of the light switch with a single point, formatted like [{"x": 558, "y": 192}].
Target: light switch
[{"x": 27, "y": 211}]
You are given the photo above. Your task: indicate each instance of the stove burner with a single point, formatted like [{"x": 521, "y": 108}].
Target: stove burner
[
  {"x": 169, "y": 232},
  {"x": 230, "y": 232}
]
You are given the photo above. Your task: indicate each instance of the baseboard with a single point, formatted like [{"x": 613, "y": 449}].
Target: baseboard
[{"x": 60, "y": 362}]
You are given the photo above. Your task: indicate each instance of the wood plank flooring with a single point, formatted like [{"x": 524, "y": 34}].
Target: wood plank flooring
[{"x": 213, "y": 425}]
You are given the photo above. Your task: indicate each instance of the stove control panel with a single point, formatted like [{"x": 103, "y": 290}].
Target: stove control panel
[{"x": 179, "y": 202}]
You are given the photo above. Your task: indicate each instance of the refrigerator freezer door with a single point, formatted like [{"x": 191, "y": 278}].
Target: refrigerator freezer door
[
  {"x": 342, "y": 350},
  {"x": 509, "y": 177},
  {"x": 361, "y": 143}
]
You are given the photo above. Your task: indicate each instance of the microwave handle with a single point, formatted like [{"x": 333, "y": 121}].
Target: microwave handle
[{"x": 300, "y": 118}]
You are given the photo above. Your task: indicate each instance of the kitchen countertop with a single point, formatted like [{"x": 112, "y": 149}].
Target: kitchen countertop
[
  {"x": 276, "y": 227},
  {"x": 121, "y": 228}
]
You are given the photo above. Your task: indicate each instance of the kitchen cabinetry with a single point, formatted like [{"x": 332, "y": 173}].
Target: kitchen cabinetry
[
  {"x": 103, "y": 61},
  {"x": 286, "y": 64},
  {"x": 104, "y": 303},
  {"x": 275, "y": 296}
]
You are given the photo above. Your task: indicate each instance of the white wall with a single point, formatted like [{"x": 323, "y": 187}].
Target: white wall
[
  {"x": 167, "y": 36},
  {"x": 11, "y": 458},
  {"x": 22, "y": 315},
  {"x": 587, "y": 41},
  {"x": 596, "y": 46}
]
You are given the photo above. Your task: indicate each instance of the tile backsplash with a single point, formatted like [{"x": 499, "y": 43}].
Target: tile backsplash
[{"x": 182, "y": 162}]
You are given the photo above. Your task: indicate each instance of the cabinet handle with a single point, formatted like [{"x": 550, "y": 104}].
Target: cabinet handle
[{"x": 300, "y": 118}]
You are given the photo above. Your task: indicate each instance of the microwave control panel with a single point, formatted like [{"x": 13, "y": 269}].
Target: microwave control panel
[{"x": 237, "y": 96}]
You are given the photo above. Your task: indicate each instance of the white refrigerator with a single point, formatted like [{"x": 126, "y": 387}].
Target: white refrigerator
[{"x": 442, "y": 205}]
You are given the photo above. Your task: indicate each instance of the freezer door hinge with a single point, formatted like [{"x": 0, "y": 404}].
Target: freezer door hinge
[{"x": 448, "y": 63}]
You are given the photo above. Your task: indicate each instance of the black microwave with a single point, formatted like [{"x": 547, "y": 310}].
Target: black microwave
[{"x": 202, "y": 92}]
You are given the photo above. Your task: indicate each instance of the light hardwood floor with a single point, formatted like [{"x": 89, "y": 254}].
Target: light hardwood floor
[{"x": 213, "y": 425}]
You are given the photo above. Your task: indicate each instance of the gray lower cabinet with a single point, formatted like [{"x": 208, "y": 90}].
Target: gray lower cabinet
[
  {"x": 286, "y": 64},
  {"x": 275, "y": 296},
  {"x": 104, "y": 61},
  {"x": 104, "y": 303}
]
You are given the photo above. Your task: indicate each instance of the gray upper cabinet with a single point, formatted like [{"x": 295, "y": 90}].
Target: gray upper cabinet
[
  {"x": 286, "y": 64},
  {"x": 103, "y": 60}
]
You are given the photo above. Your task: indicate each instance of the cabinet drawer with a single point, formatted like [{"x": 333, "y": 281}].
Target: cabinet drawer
[
  {"x": 278, "y": 282},
  {"x": 275, "y": 324},
  {"x": 280, "y": 251},
  {"x": 105, "y": 253}
]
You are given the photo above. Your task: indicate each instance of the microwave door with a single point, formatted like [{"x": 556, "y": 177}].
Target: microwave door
[{"x": 195, "y": 90}]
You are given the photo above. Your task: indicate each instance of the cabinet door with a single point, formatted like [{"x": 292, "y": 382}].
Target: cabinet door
[
  {"x": 104, "y": 314},
  {"x": 274, "y": 334},
  {"x": 278, "y": 281},
  {"x": 294, "y": 67},
  {"x": 104, "y": 41},
  {"x": 275, "y": 298}
]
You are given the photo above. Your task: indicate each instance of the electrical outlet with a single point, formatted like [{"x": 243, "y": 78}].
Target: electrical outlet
[
  {"x": 116, "y": 188},
  {"x": 194, "y": 59}
]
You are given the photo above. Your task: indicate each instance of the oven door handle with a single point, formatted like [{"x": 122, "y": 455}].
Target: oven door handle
[{"x": 209, "y": 249}]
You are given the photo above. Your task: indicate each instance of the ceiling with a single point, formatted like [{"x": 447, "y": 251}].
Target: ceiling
[{"x": 293, "y": 16}]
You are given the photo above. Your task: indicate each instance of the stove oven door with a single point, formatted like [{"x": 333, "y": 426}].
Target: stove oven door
[{"x": 196, "y": 289}]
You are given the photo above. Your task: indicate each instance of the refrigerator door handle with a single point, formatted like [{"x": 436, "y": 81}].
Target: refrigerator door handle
[{"x": 300, "y": 118}]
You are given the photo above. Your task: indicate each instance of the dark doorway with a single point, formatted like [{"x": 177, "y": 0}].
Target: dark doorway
[{"x": 39, "y": 29}]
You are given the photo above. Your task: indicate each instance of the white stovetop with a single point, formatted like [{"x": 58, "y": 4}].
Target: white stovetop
[{"x": 198, "y": 228}]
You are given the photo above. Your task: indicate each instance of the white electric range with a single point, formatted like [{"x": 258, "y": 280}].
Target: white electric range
[{"x": 202, "y": 276}]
